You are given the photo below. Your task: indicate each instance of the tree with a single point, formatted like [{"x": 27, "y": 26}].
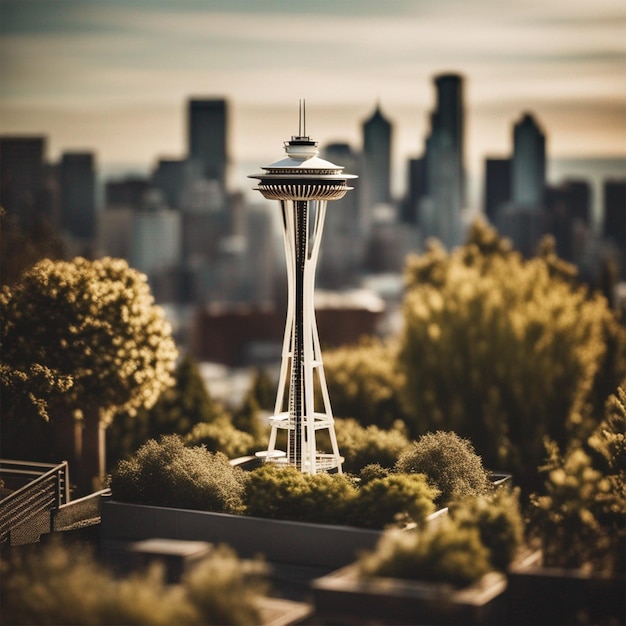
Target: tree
[
  {"x": 179, "y": 408},
  {"x": 364, "y": 381},
  {"x": 86, "y": 340},
  {"x": 504, "y": 351}
]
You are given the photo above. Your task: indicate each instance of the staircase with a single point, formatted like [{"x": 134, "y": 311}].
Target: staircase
[{"x": 36, "y": 501}]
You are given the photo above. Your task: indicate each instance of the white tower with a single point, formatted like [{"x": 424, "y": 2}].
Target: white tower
[{"x": 302, "y": 183}]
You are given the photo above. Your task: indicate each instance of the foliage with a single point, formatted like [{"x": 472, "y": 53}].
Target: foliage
[
  {"x": 226, "y": 589},
  {"x": 361, "y": 446},
  {"x": 446, "y": 553},
  {"x": 504, "y": 350},
  {"x": 498, "y": 519},
  {"x": 581, "y": 517},
  {"x": 372, "y": 471},
  {"x": 263, "y": 390},
  {"x": 396, "y": 499},
  {"x": 248, "y": 419},
  {"x": 221, "y": 435},
  {"x": 449, "y": 463},
  {"x": 287, "y": 493},
  {"x": 179, "y": 407},
  {"x": 57, "y": 585},
  {"x": 93, "y": 323},
  {"x": 363, "y": 382},
  {"x": 166, "y": 473}
]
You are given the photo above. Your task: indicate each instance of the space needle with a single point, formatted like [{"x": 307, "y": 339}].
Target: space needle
[{"x": 303, "y": 183}]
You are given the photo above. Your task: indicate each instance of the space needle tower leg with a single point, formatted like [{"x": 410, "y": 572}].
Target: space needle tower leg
[{"x": 303, "y": 184}]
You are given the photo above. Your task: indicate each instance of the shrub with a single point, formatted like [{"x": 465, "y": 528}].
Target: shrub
[
  {"x": 286, "y": 493},
  {"x": 166, "y": 473},
  {"x": 372, "y": 471},
  {"x": 505, "y": 351},
  {"x": 581, "y": 518},
  {"x": 447, "y": 554},
  {"x": 363, "y": 382},
  {"x": 221, "y": 436},
  {"x": 449, "y": 463},
  {"x": 55, "y": 585},
  {"x": 226, "y": 589},
  {"x": 361, "y": 446},
  {"x": 394, "y": 499},
  {"x": 498, "y": 519}
]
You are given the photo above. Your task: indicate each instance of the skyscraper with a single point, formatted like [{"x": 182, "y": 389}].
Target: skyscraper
[
  {"x": 529, "y": 163},
  {"x": 77, "y": 180},
  {"x": 303, "y": 184},
  {"x": 440, "y": 210},
  {"x": 497, "y": 186},
  {"x": 22, "y": 175},
  {"x": 377, "y": 134},
  {"x": 208, "y": 145},
  {"x": 523, "y": 218}
]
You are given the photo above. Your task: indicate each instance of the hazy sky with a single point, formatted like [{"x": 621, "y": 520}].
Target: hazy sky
[{"x": 113, "y": 76}]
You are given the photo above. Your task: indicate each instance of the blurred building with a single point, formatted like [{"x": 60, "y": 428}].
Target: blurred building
[
  {"x": 377, "y": 137},
  {"x": 77, "y": 188},
  {"x": 346, "y": 226},
  {"x": 440, "y": 208},
  {"x": 528, "y": 175},
  {"x": 169, "y": 177},
  {"x": 497, "y": 188},
  {"x": 23, "y": 188},
  {"x": 614, "y": 224},
  {"x": 207, "y": 138},
  {"x": 523, "y": 218}
]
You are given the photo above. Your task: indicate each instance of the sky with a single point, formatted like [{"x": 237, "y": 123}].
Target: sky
[{"x": 114, "y": 76}]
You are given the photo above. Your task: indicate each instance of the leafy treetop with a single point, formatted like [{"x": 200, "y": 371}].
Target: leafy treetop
[{"x": 81, "y": 332}]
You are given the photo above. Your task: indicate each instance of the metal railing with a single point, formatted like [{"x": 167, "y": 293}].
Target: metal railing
[{"x": 41, "y": 488}]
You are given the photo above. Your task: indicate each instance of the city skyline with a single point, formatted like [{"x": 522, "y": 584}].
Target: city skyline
[{"x": 114, "y": 77}]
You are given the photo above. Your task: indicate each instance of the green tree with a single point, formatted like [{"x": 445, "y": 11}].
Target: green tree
[
  {"x": 179, "y": 408},
  {"x": 98, "y": 344},
  {"x": 363, "y": 382},
  {"x": 504, "y": 351},
  {"x": 263, "y": 390},
  {"x": 580, "y": 514}
]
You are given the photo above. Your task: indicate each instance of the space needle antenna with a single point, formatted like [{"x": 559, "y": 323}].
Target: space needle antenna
[{"x": 302, "y": 118}]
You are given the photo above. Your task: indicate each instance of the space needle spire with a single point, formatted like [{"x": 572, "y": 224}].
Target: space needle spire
[{"x": 303, "y": 184}]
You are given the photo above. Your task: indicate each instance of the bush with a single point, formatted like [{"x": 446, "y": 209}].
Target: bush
[
  {"x": 54, "y": 585},
  {"x": 394, "y": 499},
  {"x": 450, "y": 465},
  {"x": 498, "y": 519},
  {"x": 505, "y": 351},
  {"x": 166, "y": 473},
  {"x": 361, "y": 446},
  {"x": 372, "y": 471},
  {"x": 221, "y": 436},
  {"x": 288, "y": 494},
  {"x": 446, "y": 554},
  {"x": 226, "y": 589},
  {"x": 581, "y": 518},
  {"x": 363, "y": 382}
]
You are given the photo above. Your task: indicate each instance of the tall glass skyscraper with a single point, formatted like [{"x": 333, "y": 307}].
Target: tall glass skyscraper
[
  {"x": 377, "y": 132},
  {"x": 207, "y": 126},
  {"x": 529, "y": 163},
  {"x": 440, "y": 209}
]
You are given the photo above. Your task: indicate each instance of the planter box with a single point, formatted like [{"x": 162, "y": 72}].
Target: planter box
[
  {"x": 315, "y": 545},
  {"x": 342, "y": 597},
  {"x": 552, "y": 595},
  {"x": 297, "y": 543}
]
